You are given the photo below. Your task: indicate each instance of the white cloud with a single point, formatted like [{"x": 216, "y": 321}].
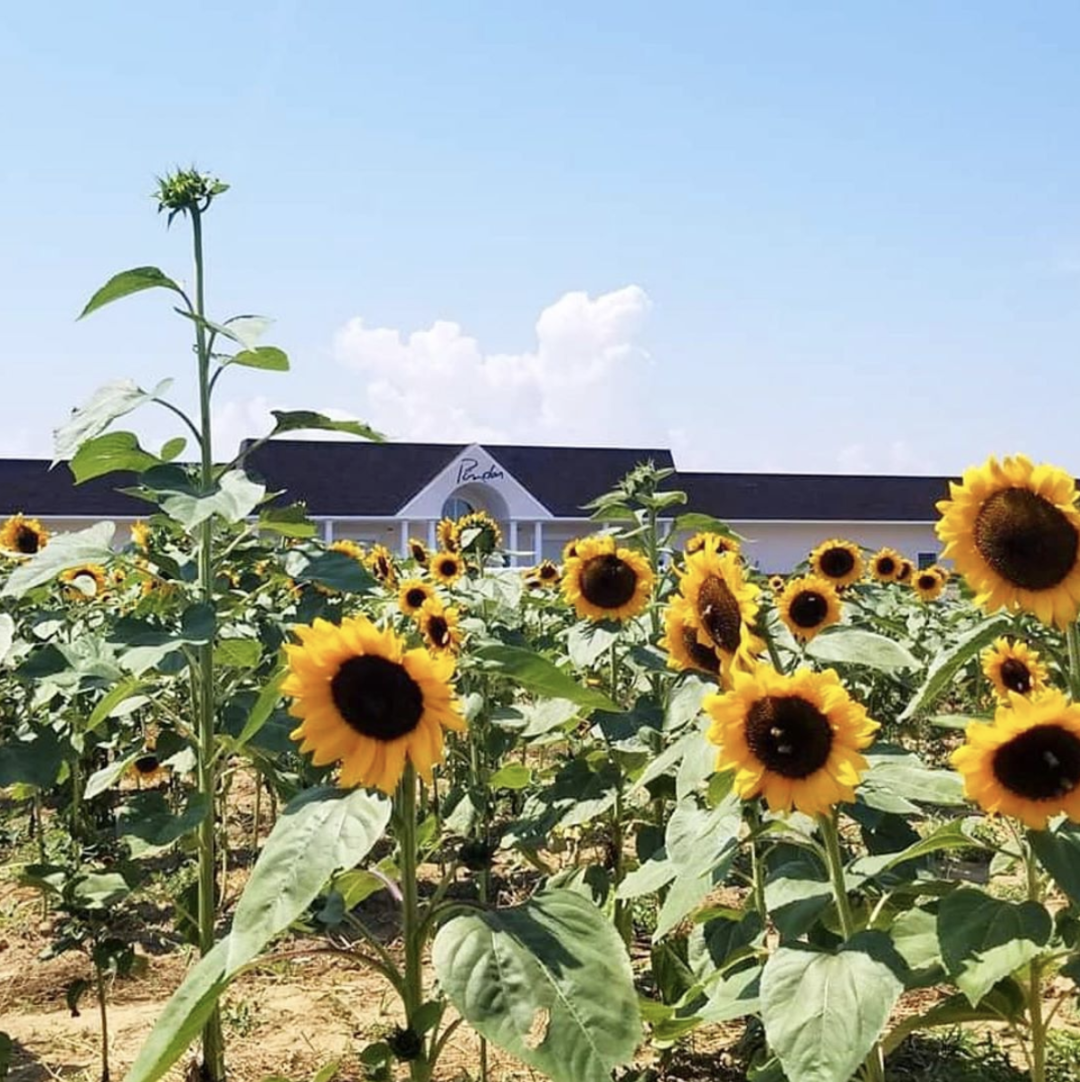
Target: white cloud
[{"x": 585, "y": 381}]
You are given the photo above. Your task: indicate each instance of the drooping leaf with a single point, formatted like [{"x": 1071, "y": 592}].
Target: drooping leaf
[
  {"x": 856, "y": 646},
  {"x": 233, "y": 499},
  {"x": 107, "y": 403},
  {"x": 335, "y": 570},
  {"x": 548, "y": 981},
  {"x": 307, "y": 420},
  {"x": 290, "y": 521},
  {"x": 108, "y": 453},
  {"x": 902, "y": 777},
  {"x": 535, "y": 673},
  {"x": 127, "y": 282},
  {"x": 35, "y": 761},
  {"x": 89, "y": 546},
  {"x": 1059, "y": 853},
  {"x": 147, "y": 817},
  {"x": 121, "y": 693},
  {"x": 238, "y": 653}
]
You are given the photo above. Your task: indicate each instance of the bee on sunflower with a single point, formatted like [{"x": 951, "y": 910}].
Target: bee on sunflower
[
  {"x": 1013, "y": 531},
  {"x": 885, "y": 564},
  {"x": 86, "y": 582},
  {"x": 606, "y": 582},
  {"x": 447, "y": 567},
  {"x": 794, "y": 740},
  {"x": 439, "y": 627},
  {"x": 1013, "y": 667},
  {"x": 808, "y": 605},
  {"x": 680, "y": 641},
  {"x": 723, "y": 605},
  {"x": 1026, "y": 763},
  {"x": 365, "y": 701},
  {"x": 412, "y": 594},
  {"x": 838, "y": 561},
  {"x": 23, "y": 536}
]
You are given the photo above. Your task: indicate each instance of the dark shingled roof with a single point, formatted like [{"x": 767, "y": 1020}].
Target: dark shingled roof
[
  {"x": 28, "y": 485},
  {"x": 813, "y": 497}
]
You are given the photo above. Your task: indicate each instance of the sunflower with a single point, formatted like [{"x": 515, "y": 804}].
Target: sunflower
[
  {"x": 381, "y": 564},
  {"x": 776, "y": 583},
  {"x": 716, "y": 542},
  {"x": 808, "y": 605},
  {"x": 148, "y": 771},
  {"x": 418, "y": 551},
  {"x": 604, "y": 582},
  {"x": 546, "y": 573},
  {"x": 439, "y": 627},
  {"x": 884, "y": 564},
  {"x": 1027, "y": 762},
  {"x": 905, "y": 571},
  {"x": 570, "y": 549},
  {"x": 23, "y": 535},
  {"x": 85, "y": 582},
  {"x": 793, "y": 739},
  {"x": 1013, "y": 667},
  {"x": 838, "y": 561},
  {"x": 1013, "y": 531},
  {"x": 928, "y": 584},
  {"x": 446, "y": 533},
  {"x": 349, "y": 548},
  {"x": 366, "y": 701},
  {"x": 478, "y": 532},
  {"x": 140, "y": 535},
  {"x": 681, "y": 642},
  {"x": 722, "y": 603},
  {"x": 412, "y": 594},
  {"x": 447, "y": 567}
]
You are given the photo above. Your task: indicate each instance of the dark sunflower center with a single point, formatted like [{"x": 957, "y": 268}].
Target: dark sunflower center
[
  {"x": 1040, "y": 764},
  {"x": 27, "y": 541},
  {"x": 718, "y": 610},
  {"x": 146, "y": 764},
  {"x": 927, "y": 582},
  {"x": 447, "y": 568},
  {"x": 548, "y": 572},
  {"x": 836, "y": 563},
  {"x": 886, "y": 566},
  {"x": 608, "y": 582},
  {"x": 904, "y": 573},
  {"x": 789, "y": 735},
  {"x": 1015, "y": 675},
  {"x": 377, "y": 698},
  {"x": 1026, "y": 539},
  {"x": 419, "y": 554},
  {"x": 701, "y": 656},
  {"x": 439, "y": 631},
  {"x": 415, "y": 597},
  {"x": 808, "y": 608}
]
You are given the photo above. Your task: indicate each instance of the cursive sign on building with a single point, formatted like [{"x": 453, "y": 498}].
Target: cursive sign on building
[{"x": 469, "y": 470}]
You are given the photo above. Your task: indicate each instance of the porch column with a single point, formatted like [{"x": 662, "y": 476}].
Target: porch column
[
  {"x": 513, "y": 543},
  {"x": 404, "y": 538},
  {"x": 328, "y": 530},
  {"x": 538, "y": 540}
]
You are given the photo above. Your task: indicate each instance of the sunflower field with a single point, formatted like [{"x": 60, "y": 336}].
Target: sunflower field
[{"x": 647, "y": 813}]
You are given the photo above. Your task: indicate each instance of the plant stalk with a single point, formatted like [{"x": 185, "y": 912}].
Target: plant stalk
[
  {"x": 419, "y": 1070},
  {"x": 1072, "y": 637},
  {"x": 103, "y": 1011}
]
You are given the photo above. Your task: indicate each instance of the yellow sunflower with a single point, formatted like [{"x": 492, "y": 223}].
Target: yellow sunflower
[
  {"x": 85, "y": 582},
  {"x": 381, "y": 564},
  {"x": 905, "y": 571},
  {"x": 140, "y": 535},
  {"x": 776, "y": 583},
  {"x": 367, "y": 702},
  {"x": 807, "y": 605},
  {"x": 439, "y": 627},
  {"x": 147, "y": 771},
  {"x": 838, "y": 561},
  {"x": 349, "y": 548},
  {"x": 928, "y": 584},
  {"x": 545, "y": 573},
  {"x": 1013, "y": 667},
  {"x": 412, "y": 594},
  {"x": 418, "y": 551},
  {"x": 478, "y": 532},
  {"x": 23, "y": 535},
  {"x": 1013, "y": 532},
  {"x": 1027, "y": 762},
  {"x": 716, "y": 542},
  {"x": 885, "y": 564},
  {"x": 681, "y": 642},
  {"x": 723, "y": 604},
  {"x": 795, "y": 740},
  {"x": 446, "y": 533},
  {"x": 605, "y": 582},
  {"x": 447, "y": 567},
  {"x": 570, "y": 549}
]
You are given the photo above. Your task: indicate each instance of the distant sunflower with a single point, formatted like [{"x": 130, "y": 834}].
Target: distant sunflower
[
  {"x": 86, "y": 582},
  {"x": 716, "y": 542},
  {"x": 447, "y": 567},
  {"x": 723, "y": 604},
  {"x": 681, "y": 642},
  {"x": 1013, "y": 531},
  {"x": 478, "y": 532},
  {"x": 776, "y": 583},
  {"x": 605, "y": 582},
  {"x": 349, "y": 548},
  {"x": 367, "y": 702},
  {"x": 439, "y": 627},
  {"x": 418, "y": 551},
  {"x": 905, "y": 571},
  {"x": 140, "y": 535},
  {"x": 570, "y": 549},
  {"x": 838, "y": 561},
  {"x": 23, "y": 535},
  {"x": 1013, "y": 667},
  {"x": 412, "y": 594},
  {"x": 928, "y": 584},
  {"x": 446, "y": 533},
  {"x": 546, "y": 573},
  {"x": 381, "y": 564},
  {"x": 807, "y": 605},
  {"x": 1027, "y": 762},
  {"x": 795, "y": 740},
  {"x": 885, "y": 564},
  {"x": 148, "y": 771}
]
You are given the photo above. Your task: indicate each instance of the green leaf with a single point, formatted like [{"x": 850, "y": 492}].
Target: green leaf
[
  {"x": 306, "y": 420},
  {"x": 121, "y": 693},
  {"x": 903, "y": 777},
  {"x": 984, "y": 939},
  {"x": 112, "y": 451},
  {"x": 89, "y": 546},
  {"x": 107, "y": 776},
  {"x": 947, "y": 664},
  {"x": 263, "y": 708},
  {"x": 695, "y": 522},
  {"x": 949, "y": 835},
  {"x": 171, "y": 448},
  {"x": 127, "y": 282},
  {"x": 319, "y": 832},
  {"x": 235, "y": 497},
  {"x": 510, "y": 776},
  {"x": 106, "y": 404},
  {"x": 238, "y": 653},
  {"x": 291, "y": 521},
  {"x": 1059, "y": 853},
  {"x": 247, "y": 330},
  {"x": 338, "y": 571},
  {"x": 823, "y": 1012},
  {"x": 7, "y": 634},
  {"x": 147, "y": 817},
  {"x": 36, "y": 761},
  {"x": 269, "y": 358},
  {"x": 535, "y": 673},
  {"x": 854, "y": 646},
  {"x": 914, "y": 935},
  {"x": 587, "y": 642},
  {"x": 549, "y": 981}
]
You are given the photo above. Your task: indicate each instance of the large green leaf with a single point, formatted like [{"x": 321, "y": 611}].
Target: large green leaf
[
  {"x": 335, "y": 570},
  {"x": 854, "y": 646},
  {"x": 109, "y": 452},
  {"x": 106, "y": 404},
  {"x": 548, "y": 981},
  {"x": 823, "y": 1012},
  {"x": 89, "y": 546},
  {"x": 36, "y": 761},
  {"x": 535, "y": 673},
  {"x": 984, "y": 939},
  {"x": 267, "y": 357},
  {"x": 7, "y": 634},
  {"x": 234, "y": 498},
  {"x": 127, "y": 282},
  {"x": 305, "y": 420},
  {"x": 588, "y": 642},
  {"x": 897, "y": 777},
  {"x": 1059, "y": 853},
  {"x": 321, "y": 831},
  {"x": 940, "y": 675}
]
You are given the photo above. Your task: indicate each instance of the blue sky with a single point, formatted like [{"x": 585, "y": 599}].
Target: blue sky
[{"x": 840, "y": 236}]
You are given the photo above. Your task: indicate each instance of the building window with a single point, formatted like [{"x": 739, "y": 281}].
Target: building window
[
  {"x": 456, "y": 507},
  {"x": 927, "y": 559}
]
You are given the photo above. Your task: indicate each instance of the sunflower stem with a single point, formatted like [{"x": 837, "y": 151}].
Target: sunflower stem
[
  {"x": 410, "y": 911},
  {"x": 831, "y": 836},
  {"x": 1039, "y": 1024},
  {"x": 1072, "y": 637}
]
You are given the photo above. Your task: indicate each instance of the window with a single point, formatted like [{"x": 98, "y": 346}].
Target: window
[
  {"x": 926, "y": 559},
  {"x": 456, "y": 507}
]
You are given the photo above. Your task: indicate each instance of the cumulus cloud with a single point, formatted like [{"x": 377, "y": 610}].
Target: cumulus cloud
[{"x": 585, "y": 380}]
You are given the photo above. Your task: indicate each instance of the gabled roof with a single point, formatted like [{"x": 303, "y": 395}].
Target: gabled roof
[
  {"x": 813, "y": 497},
  {"x": 28, "y": 485}
]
